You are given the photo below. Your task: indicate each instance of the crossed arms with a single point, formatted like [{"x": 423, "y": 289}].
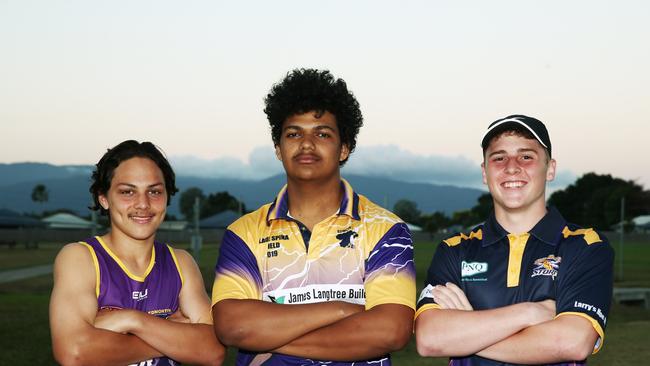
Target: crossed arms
[
  {"x": 320, "y": 331},
  {"x": 82, "y": 336},
  {"x": 525, "y": 333}
]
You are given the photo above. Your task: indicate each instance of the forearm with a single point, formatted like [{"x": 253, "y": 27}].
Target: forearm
[
  {"x": 183, "y": 342},
  {"x": 101, "y": 347},
  {"x": 261, "y": 326},
  {"x": 447, "y": 333},
  {"x": 566, "y": 338},
  {"x": 373, "y": 333}
]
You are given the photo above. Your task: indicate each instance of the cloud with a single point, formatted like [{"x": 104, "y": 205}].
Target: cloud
[
  {"x": 262, "y": 164},
  {"x": 388, "y": 161},
  {"x": 393, "y": 162}
]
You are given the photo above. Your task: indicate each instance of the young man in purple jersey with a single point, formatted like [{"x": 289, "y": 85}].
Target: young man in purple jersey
[
  {"x": 526, "y": 286},
  {"x": 124, "y": 298},
  {"x": 321, "y": 276}
]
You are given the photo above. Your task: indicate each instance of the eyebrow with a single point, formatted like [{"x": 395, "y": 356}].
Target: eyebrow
[
  {"x": 319, "y": 127},
  {"x": 519, "y": 151},
  {"x": 134, "y": 186}
]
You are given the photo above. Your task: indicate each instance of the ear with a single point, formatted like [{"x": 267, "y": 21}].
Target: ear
[
  {"x": 278, "y": 154},
  {"x": 345, "y": 152},
  {"x": 103, "y": 201},
  {"x": 483, "y": 173},
  {"x": 550, "y": 170}
]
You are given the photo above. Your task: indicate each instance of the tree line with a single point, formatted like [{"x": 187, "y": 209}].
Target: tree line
[{"x": 593, "y": 200}]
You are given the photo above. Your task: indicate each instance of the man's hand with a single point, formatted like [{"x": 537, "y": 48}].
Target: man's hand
[
  {"x": 178, "y": 317},
  {"x": 451, "y": 296}
]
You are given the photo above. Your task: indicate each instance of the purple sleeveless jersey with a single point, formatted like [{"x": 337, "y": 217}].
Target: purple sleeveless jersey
[{"x": 155, "y": 293}]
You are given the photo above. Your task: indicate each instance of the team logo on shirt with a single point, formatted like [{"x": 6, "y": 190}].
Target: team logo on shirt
[
  {"x": 139, "y": 295},
  {"x": 547, "y": 266},
  {"x": 346, "y": 237}
]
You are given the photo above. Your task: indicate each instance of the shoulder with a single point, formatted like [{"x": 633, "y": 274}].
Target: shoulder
[
  {"x": 371, "y": 210},
  {"x": 579, "y": 242},
  {"x": 183, "y": 257},
  {"x": 74, "y": 264},
  {"x": 72, "y": 252},
  {"x": 585, "y": 236},
  {"x": 379, "y": 223},
  {"x": 461, "y": 239},
  {"x": 251, "y": 222}
]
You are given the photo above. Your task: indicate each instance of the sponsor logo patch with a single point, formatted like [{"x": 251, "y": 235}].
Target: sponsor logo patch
[
  {"x": 547, "y": 266},
  {"x": 469, "y": 269}
]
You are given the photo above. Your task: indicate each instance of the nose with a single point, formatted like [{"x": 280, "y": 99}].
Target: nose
[
  {"x": 512, "y": 167},
  {"x": 307, "y": 142},
  {"x": 142, "y": 201}
]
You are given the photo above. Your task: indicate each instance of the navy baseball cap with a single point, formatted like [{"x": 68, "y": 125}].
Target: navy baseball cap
[{"x": 533, "y": 125}]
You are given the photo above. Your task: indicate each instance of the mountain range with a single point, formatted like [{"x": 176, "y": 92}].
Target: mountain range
[{"x": 68, "y": 188}]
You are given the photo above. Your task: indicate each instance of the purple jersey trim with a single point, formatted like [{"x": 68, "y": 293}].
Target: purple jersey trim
[
  {"x": 393, "y": 253},
  {"x": 235, "y": 257}
]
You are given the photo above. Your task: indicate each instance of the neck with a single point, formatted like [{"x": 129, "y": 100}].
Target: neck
[
  {"x": 519, "y": 221},
  {"x": 129, "y": 249},
  {"x": 312, "y": 202}
]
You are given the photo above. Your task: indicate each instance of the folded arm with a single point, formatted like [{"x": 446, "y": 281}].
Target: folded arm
[
  {"x": 261, "y": 326},
  {"x": 565, "y": 338},
  {"x": 375, "y": 332},
  {"x": 456, "y": 330},
  {"x": 192, "y": 341}
]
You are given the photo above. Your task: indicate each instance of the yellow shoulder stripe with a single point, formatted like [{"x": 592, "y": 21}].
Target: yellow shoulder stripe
[
  {"x": 96, "y": 264},
  {"x": 589, "y": 235},
  {"x": 455, "y": 240},
  {"x": 178, "y": 267}
]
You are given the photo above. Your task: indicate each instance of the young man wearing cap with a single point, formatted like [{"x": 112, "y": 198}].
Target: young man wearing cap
[
  {"x": 321, "y": 273},
  {"x": 524, "y": 287}
]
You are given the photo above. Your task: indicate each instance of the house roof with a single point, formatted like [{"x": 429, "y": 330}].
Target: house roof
[
  {"x": 65, "y": 220},
  {"x": 220, "y": 220}
]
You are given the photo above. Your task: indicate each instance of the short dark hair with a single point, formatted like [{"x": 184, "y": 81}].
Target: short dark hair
[
  {"x": 513, "y": 130},
  {"x": 305, "y": 90},
  {"x": 105, "y": 168}
]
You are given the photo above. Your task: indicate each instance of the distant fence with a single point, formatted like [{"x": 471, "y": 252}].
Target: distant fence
[{"x": 33, "y": 236}]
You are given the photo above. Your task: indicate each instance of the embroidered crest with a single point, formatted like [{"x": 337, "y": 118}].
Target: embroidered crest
[{"x": 547, "y": 266}]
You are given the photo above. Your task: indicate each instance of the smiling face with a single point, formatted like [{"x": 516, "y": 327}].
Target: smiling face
[
  {"x": 310, "y": 147},
  {"x": 516, "y": 170},
  {"x": 137, "y": 199}
]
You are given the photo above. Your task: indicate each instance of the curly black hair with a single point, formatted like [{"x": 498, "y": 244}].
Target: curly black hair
[
  {"x": 103, "y": 173},
  {"x": 305, "y": 90}
]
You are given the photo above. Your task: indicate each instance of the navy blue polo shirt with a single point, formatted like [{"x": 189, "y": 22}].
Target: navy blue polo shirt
[{"x": 554, "y": 260}]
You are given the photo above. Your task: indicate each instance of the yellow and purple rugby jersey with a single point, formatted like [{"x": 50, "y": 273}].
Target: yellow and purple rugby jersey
[
  {"x": 363, "y": 254},
  {"x": 554, "y": 260}
]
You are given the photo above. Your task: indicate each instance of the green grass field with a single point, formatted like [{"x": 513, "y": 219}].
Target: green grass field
[{"x": 25, "y": 338}]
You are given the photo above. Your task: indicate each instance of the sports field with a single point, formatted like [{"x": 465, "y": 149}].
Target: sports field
[{"x": 25, "y": 339}]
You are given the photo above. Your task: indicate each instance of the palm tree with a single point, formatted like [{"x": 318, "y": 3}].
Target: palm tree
[{"x": 40, "y": 193}]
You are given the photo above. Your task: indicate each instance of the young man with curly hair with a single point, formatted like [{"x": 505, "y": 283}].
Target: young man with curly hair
[
  {"x": 525, "y": 287},
  {"x": 321, "y": 275}
]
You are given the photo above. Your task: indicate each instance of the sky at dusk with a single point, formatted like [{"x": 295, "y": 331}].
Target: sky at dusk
[{"x": 77, "y": 77}]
